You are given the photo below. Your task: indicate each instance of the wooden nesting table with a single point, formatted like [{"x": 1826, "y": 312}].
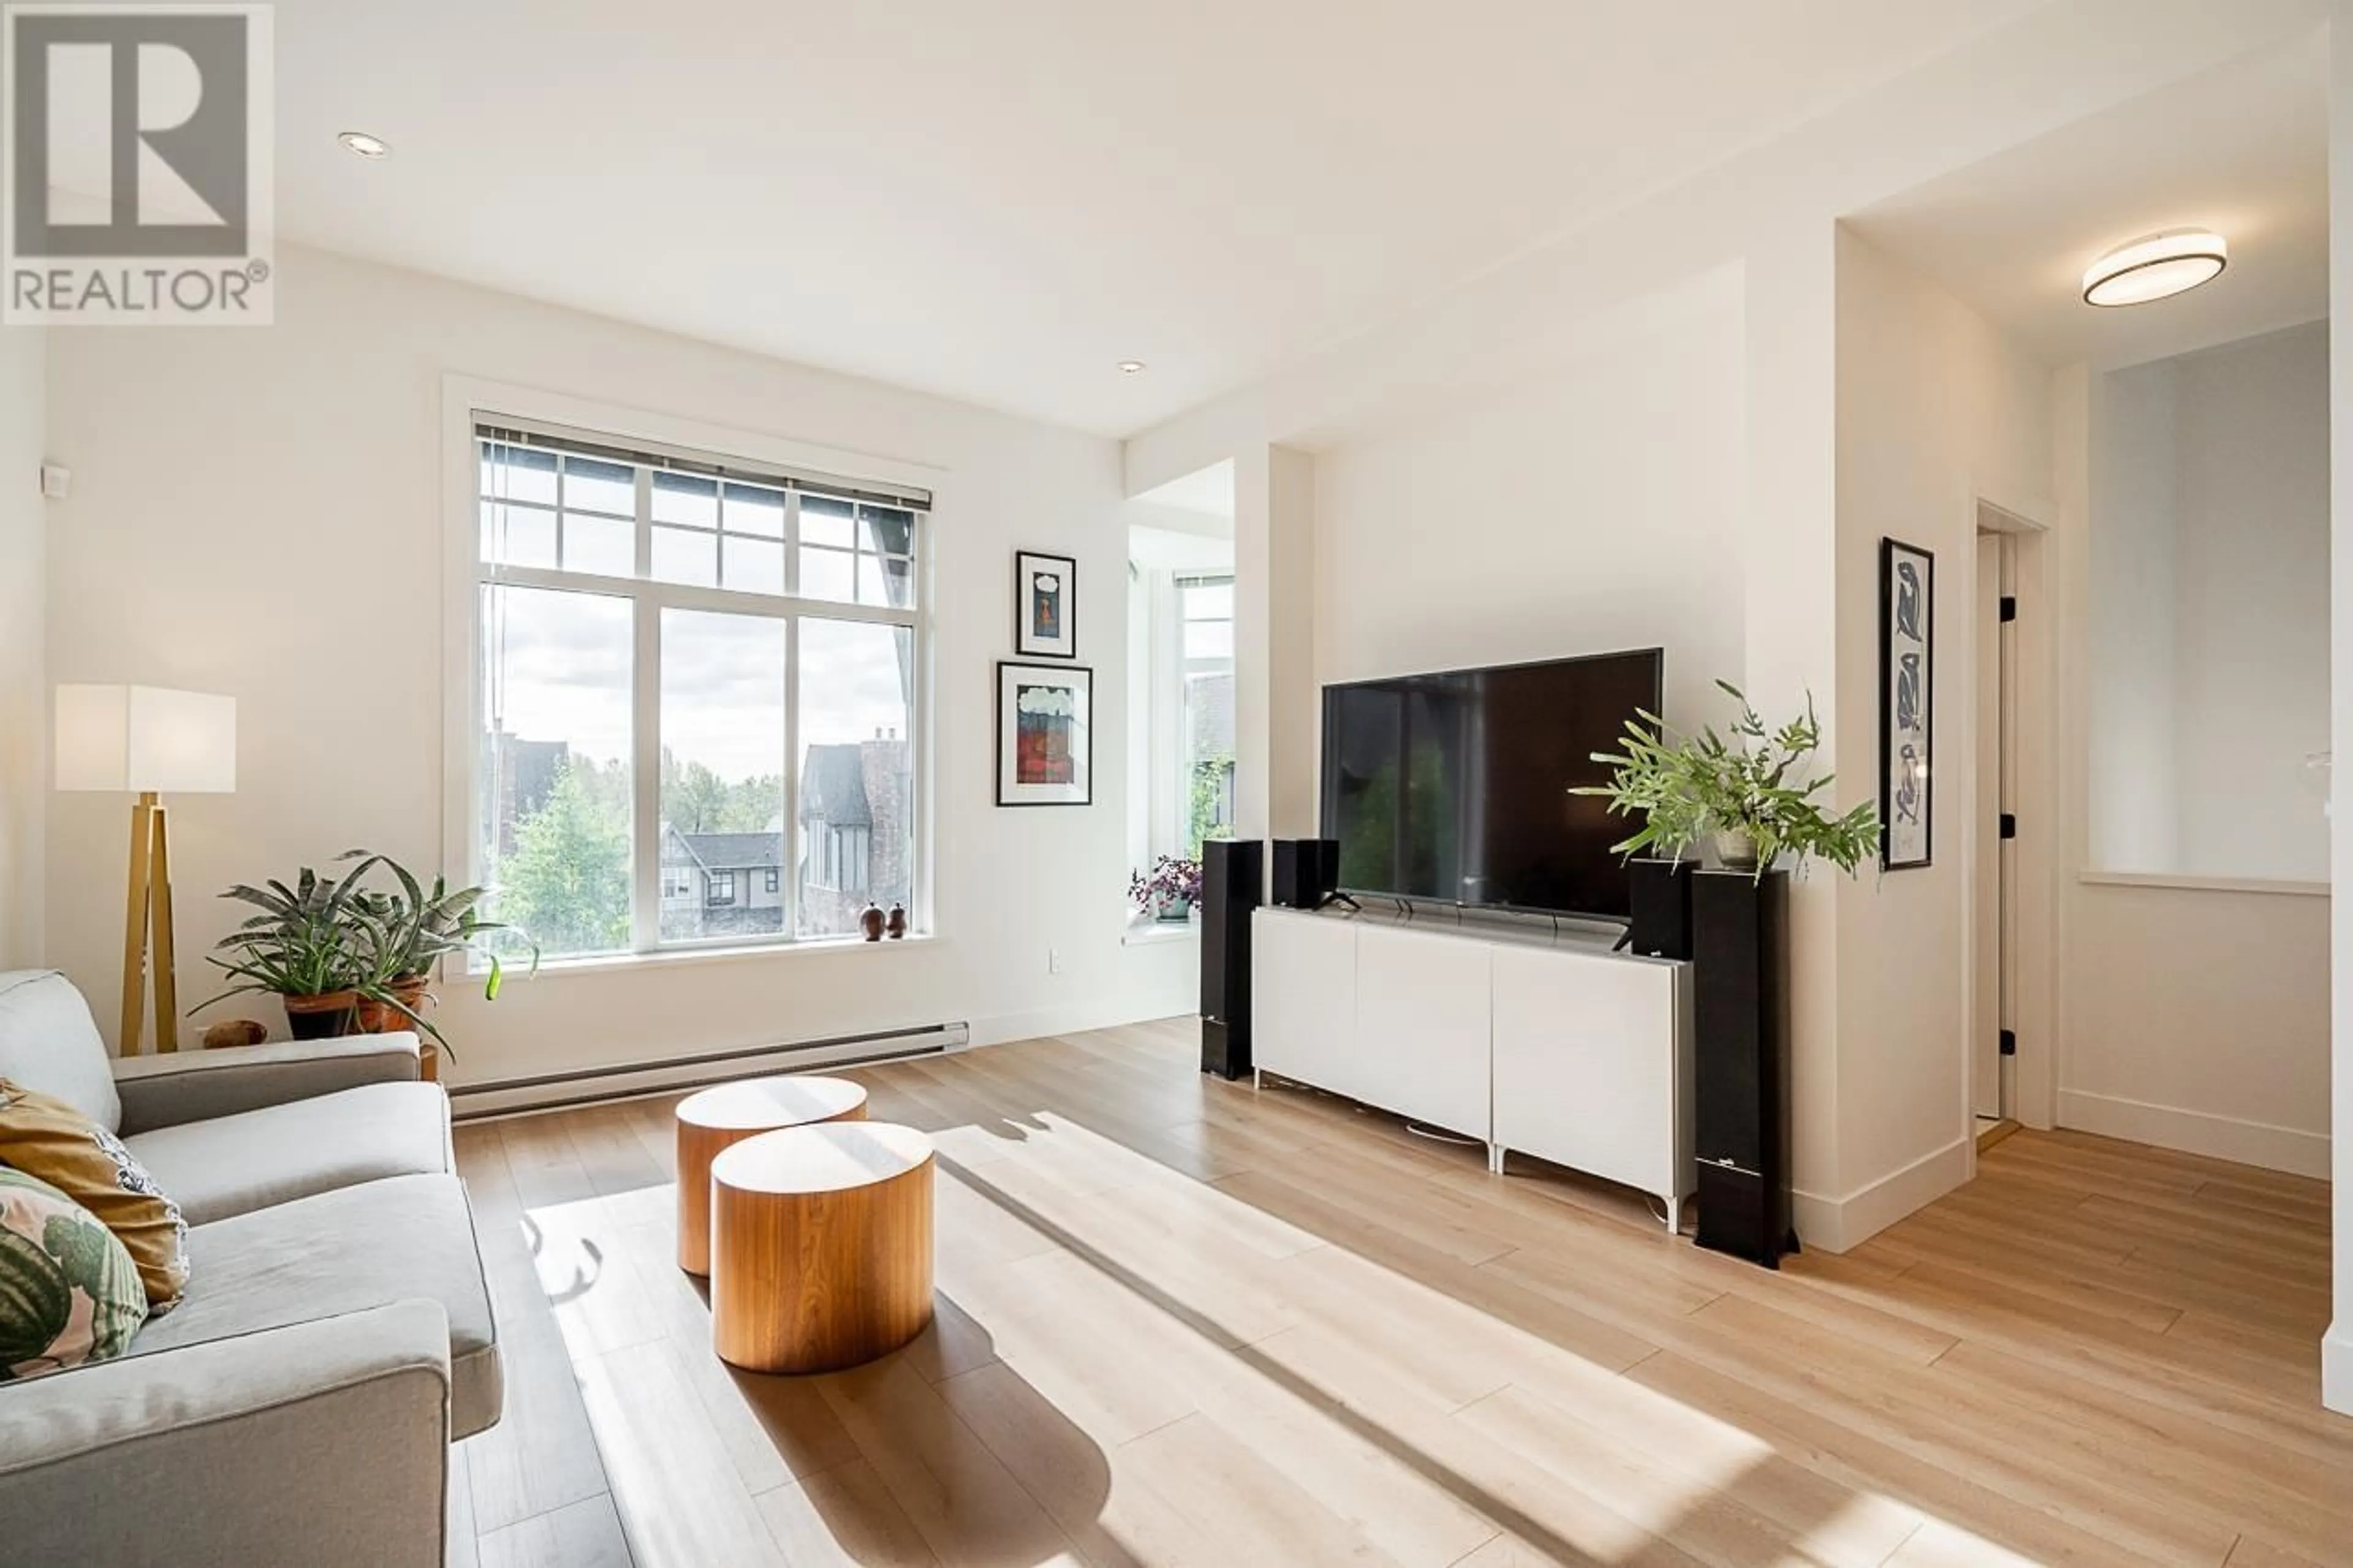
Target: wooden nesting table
[
  {"x": 821, "y": 1246},
  {"x": 716, "y": 1118}
]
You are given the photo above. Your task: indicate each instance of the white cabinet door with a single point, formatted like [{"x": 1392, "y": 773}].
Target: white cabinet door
[
  {"x": 1303, "y": 998},
  {"x": 1586, "y": 1066},
  {"x": 1421, "y": 1026}
]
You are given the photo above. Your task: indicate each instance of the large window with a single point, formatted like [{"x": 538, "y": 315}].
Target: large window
[
  {"x": 693, "y": 675},
  {"x": 1206, "y": 669}
]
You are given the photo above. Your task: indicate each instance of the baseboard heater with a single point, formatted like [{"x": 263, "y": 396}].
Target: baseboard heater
[{"x": 555, "y": 1090}]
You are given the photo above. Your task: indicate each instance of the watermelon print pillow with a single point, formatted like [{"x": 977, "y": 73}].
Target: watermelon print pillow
[{"x": 68, "y": 1290}]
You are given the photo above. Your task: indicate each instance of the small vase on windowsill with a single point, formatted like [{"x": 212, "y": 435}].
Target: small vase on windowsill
[{"x": 1173, "y": 912}]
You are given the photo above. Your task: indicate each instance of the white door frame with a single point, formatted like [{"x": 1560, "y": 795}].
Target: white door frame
[{"x": 2032, "y": 522}]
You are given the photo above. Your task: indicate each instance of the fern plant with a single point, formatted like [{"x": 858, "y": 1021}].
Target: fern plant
[{"x": 1745, "y": 784}]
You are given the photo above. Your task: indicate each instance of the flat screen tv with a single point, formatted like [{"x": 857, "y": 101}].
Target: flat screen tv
[{"x": 1454, "y": 788}]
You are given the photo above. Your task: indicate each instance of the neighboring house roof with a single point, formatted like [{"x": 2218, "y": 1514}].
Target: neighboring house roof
[
  {"x": 676, "y": 850},
  {"x": 833, "y": 786},
  {"x": 736, "y": 851}
]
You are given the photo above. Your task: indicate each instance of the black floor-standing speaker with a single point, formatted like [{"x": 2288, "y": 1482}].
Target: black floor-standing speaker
[
  {"x": 1740, "y": 955},
  {"x": 1233, "y": 873},
  {"x": 1307, "y": 873}
]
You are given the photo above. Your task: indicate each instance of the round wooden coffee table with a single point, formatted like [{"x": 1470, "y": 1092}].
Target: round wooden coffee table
[
  {"x": 715, "y": 1118},
  {"x": 820, "y": 1245}
]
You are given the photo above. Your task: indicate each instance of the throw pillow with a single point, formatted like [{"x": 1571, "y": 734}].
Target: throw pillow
[
  {"x": 45, "y": 1138},
  {"x": 68, "y": 1290}
]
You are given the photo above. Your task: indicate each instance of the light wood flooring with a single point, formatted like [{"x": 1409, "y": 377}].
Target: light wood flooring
[{"x": 1183, "y": 1322}]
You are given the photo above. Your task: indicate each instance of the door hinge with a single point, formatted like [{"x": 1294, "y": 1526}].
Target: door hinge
[
  {"x": 2010, "y": 607},
  {"x": 2010, "y": 1042},
  {"x": 2009, "y": 825}
]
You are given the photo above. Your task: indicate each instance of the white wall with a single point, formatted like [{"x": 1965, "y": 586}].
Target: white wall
[
  {"x": 2210, "y": 539},
  {"x": 2251, "y": 591},
  {"x": 2135, "y": 823},
  {"x": 1936, "y": 408},
  {"x": 261, "y": 513},
  {"x": 1592, "y": 508},
  {"x": 2192, "y": 1016},
  {"x": 24, "y": 681},
  {"x": 2198, "y": 1019}
]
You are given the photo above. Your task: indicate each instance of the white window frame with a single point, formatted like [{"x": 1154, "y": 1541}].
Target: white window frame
[
  {"x": 467, "y": 402},
  {"x": 1182, "y": 668}
]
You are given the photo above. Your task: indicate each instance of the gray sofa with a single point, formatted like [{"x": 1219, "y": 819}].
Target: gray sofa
[{"x": 298, "y": 1406}]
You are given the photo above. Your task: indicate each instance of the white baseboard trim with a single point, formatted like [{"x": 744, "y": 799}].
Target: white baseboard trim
[
  {"x": 1838, "y": 1225},
  {"x": 2274, "y": 1148},
  {"x": 1103, "y": 1013},
  {"x": 587, "y": 1086},
  {"x": 2336, "y": 1367}
]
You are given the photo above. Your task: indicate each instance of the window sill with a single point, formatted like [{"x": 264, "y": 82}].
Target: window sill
[
  {"x": 2188, "y": 884},
  {"x": 1150, "y": 933},
  {"x": 690, "y": 956}
]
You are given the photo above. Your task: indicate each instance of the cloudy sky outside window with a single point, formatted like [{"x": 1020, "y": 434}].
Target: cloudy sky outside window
[{"x": 566, "y": 667}]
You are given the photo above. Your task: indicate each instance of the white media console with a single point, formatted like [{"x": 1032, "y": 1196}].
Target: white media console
[{"x": 1551, "y": 1045}]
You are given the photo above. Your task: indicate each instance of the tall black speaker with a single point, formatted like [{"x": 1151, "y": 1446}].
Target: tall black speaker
[
  {"x": 1740, "y": 954},
  {"x": 1306, "y": 871},
  {"x": 1232, "y": 873},
  {"x": 1659, "y": 899}
]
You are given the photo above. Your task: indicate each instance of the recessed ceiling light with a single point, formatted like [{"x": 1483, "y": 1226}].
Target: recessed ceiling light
[
  {"x": 2157, "y": 268},
  {"x": 1131, "y": 367},
  {"x": 365, "y": 145}
]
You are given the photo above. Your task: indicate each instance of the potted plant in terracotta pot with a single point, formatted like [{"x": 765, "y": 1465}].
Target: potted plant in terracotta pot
[
  {"x": 298, "y": 949},
  {"x": 399, "y": 936},
  {"x": 1744, "y": 792}
]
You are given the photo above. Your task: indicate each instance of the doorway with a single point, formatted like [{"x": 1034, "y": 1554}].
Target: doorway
[{"x": 1993, "y": 1086}]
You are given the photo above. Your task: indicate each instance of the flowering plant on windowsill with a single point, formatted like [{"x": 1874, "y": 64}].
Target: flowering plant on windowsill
[{"x": 1170, "y": 891}]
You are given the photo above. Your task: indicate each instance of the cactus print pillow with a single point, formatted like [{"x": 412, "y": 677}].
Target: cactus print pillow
[
  {"x": 48, "y": 1138},
  {"x": 68, "y": 1290}
]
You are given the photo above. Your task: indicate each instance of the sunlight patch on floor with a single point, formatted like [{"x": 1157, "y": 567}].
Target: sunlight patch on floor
[{"x": 1170, "y": 1374}]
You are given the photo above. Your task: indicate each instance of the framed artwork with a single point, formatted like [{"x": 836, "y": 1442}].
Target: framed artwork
[
  {"x": 1045, "y": 606},
  {"x": 1045, "y": 734},
  {"x": 1907, "y": 695}
]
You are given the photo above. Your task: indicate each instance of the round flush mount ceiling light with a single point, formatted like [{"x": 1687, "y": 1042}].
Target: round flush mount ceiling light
[
  {"x": 365, "y": 145},
  {"x": 1131, "y": 367},
  {"x": 2156, "y": 267}
]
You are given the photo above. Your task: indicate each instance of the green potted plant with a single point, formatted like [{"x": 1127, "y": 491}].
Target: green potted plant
[
  {"x": 345, "y": 958},
  {"x": 298, "y": 949},
  {"x": 1744, "y": 791},
  {"x": 401, "y": 935}
]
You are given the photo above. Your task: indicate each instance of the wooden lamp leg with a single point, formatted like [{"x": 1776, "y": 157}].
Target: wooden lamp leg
[
  {"x": 134, "y": 922},
  {"x": 168, "y": 989}
]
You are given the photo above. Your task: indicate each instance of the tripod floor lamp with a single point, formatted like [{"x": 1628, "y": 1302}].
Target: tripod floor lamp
[{"x": 143, "y": 740}]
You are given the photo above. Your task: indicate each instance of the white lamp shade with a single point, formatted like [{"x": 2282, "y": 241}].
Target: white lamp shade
[{"x": 142, "y": 738}]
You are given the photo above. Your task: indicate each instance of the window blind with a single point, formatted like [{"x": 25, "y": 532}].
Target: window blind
[{"x": 505, "y": 430}]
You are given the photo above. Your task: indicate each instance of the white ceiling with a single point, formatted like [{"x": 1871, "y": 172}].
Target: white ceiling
[
  {"x": 2243, "y": 149},
  {"x": 999, "y": 200}
]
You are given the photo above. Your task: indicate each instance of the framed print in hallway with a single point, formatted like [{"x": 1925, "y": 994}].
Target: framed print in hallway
[
  {"x": 1907, "y": 670},
  {"x": 1045, "y": 606},
  {"x": 1045, "y": 734}
]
